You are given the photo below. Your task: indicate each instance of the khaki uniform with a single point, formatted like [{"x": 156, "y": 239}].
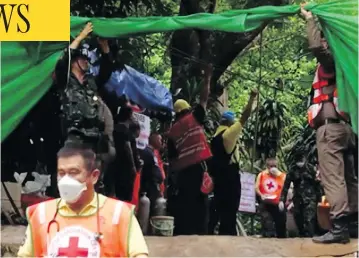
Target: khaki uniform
[{"x": 335, "y": 142}]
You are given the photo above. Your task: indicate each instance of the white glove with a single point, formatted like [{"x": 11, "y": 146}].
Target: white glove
[
  {"x": 290, "y": 206},
  {"x": 281, "y": 206}
]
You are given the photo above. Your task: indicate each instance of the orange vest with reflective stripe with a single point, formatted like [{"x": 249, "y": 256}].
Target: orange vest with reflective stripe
[
  {"x": 190, "y": 142},
  {"x": 271, "y": 185},
  {"x": 321, "y": 80},
  {"x": 76, "y": 236}
]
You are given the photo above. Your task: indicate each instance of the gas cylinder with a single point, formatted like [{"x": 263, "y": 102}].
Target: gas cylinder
[
  {"x": 143, "y": 213},
  {"x": 160, "y": 207}
]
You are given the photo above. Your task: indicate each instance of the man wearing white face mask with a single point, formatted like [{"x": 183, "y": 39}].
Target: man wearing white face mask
[
  {"x": 82, "y": 223},
  {"x": 269, "y": 185}
]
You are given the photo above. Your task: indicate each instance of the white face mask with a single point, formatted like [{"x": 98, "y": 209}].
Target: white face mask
[
  {"x": 273, "y": 171},
  {"x": 70, "y": 189}
]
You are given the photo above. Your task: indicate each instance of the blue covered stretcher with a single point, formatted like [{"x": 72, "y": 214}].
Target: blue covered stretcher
[{"x": 140, "y": 88}]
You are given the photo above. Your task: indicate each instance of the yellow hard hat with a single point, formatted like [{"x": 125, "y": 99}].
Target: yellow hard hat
[{"x": 181, "y": 105}]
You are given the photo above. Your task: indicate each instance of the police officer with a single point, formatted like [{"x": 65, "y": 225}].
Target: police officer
[
  {"x": 335, "y": 140},
  {"x": 306, "y": 191}
]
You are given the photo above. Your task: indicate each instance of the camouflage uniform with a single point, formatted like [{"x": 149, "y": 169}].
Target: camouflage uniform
[
  {"x": 80, "y": 113},
  {"x": 82, "y": 109},
  {"x": 306, "y": 193}
]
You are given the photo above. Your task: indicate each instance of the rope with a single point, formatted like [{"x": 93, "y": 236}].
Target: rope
[
  {"x": 258, "y": 103},
  {"x": 68, "y": 68}
]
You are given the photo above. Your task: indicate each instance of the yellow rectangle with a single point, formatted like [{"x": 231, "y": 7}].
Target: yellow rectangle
[{"x": 34, "y": 20}]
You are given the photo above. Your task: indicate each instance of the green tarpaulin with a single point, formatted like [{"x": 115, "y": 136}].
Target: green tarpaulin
[{"x": 27, "y": 66}]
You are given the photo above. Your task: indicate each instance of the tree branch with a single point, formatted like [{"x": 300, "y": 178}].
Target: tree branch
[
  {"x": 220, "y": 52},
  {"x": 229, "y": 46}
]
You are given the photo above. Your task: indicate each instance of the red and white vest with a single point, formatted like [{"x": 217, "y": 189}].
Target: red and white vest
[
  {"x": 190, "y": 142},
  {"x": 74, "y": 236},
  {"x": 321, "y": 80},
  {"x": 270, "y": 185}
]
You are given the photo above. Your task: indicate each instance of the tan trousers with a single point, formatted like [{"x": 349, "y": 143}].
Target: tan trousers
[{"x": 335, "y": 144}]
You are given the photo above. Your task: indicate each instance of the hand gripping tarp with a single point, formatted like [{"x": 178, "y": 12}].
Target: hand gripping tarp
[{"x": 26, "y": 67}]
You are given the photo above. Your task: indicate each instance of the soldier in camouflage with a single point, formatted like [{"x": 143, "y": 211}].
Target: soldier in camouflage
[
  {"x": 306, "y": 193},
  {"x": 85, "y": 115}
]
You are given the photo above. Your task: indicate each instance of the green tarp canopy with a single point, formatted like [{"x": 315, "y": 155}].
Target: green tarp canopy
[{"x": 27, "y": 66}]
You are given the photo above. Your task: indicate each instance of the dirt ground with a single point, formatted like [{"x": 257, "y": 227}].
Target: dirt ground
[{"x": 212, "y": 246}]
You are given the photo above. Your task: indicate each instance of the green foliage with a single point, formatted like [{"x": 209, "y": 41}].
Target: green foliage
[
  {"x": 286, "y": 67},
  {"x": 271, "y": 118},
  {"x": 302, "y": 147}
]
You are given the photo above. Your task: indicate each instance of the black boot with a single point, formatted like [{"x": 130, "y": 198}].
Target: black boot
[
  {"x": 353, "y": 225},
  {"x": 338, "y": 234}
]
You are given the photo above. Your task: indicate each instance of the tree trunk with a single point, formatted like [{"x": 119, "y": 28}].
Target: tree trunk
[{"x": 189, "y": 48}]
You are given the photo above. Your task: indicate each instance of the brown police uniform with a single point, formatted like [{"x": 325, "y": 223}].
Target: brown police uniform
[{"x": 335, "y": 144}]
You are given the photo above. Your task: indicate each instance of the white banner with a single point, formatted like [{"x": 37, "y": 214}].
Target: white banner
[
  {"x": 248, "y": 194},
  {"x": 145, "y": 124}
]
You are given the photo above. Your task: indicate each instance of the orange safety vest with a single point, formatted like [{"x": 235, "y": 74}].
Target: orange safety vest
[
  {"x": 271, "y": 185},
  {"x": 321, "y": 80},
  {"x": 136, "y": 190},
  {"x": 190, "y": 142},
  {"x": 76, "y": 235}
]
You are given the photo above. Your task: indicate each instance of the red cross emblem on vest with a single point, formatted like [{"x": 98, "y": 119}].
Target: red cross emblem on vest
[
  {"x": 74, "y": 241},
  {"x": 73, "y": 250},
  {"x": 270, "y": 185}
]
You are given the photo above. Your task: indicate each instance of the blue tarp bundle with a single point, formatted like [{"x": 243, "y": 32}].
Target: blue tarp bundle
[{"x": 140, "y": 88}]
